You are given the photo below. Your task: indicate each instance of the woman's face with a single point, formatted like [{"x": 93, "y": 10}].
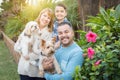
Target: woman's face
[
  {"x": 44, "y": 19},
  {"x": 60, "y": 13}
]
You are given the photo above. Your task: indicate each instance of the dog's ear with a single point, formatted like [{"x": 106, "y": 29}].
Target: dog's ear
[
  {"x": 27, "y": 33},
  {"x": 33, "y": 28},
  {"x": 43, "y": 43},
  {"x": 54, "y": 39}
]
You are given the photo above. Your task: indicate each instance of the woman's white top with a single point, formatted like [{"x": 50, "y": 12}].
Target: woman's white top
[{"x": 33, "y": 71}]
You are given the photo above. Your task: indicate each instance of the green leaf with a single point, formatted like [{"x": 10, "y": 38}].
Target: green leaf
[
  {"x": 97, "y": 73},
  {"x": 119, "y": 64},
  {"x": 91, "y": 73},
  {"x": 117, "y": 11},
  {"x": 114, "y": 60},
  {"x": 115, "y": 51},
  {"x": 105, "y": 16}
]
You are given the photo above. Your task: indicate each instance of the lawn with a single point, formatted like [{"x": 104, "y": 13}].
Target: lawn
[{"x": 8, "y": 67}]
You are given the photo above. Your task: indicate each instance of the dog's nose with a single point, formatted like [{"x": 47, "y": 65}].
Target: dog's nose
[{"x": 52, "y": 52}]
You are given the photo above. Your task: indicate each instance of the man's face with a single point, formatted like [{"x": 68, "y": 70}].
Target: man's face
[{"x": 65, "y": 34}]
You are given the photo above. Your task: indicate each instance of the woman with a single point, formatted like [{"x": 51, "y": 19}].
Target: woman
[{"x": 44, "y": 24}]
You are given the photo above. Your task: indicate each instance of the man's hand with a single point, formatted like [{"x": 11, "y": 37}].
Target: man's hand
[{"x": 47, "y": 63}]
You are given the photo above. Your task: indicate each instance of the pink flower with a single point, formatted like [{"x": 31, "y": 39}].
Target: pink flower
[
  {"x": 91, "y": 53},
  {"x": 97, "y": 62},
  {"x": 91, "y": 37}
]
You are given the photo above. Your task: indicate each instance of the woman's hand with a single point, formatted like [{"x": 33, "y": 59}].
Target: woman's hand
[{"x": 26, "y": 57}]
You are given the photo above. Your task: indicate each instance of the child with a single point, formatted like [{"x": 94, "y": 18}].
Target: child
[{"x": 60, "y": 14}]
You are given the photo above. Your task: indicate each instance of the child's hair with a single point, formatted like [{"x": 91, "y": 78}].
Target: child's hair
[
  {"x": 62, "y": 5},
  {"x": 51, "y": 14}
]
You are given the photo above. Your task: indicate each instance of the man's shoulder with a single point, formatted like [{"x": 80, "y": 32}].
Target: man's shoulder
[
  {"x": 76, "y": 50},
  {"x": 77, "y": 46}
]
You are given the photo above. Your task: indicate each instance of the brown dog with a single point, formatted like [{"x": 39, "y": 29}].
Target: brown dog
[{"x": 47, "y": 51}]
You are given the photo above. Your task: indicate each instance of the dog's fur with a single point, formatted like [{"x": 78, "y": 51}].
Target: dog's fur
[
  {"x": 25, "y": 42},
  {"x": 26, "y": 39},
  {"x": 47, "y": 51}
]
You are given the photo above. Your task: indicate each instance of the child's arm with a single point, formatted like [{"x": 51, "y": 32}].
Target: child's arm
[{"x": 57, "y": 45}]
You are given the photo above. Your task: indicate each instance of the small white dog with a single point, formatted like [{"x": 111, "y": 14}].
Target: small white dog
[
  {"x": 47, "y": 51},
  {"x": 25, "y": 41}
]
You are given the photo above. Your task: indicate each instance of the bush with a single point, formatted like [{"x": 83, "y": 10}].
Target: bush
[
  {"x": 14, "y": 27},
  {"x": 102, "y": 53}
]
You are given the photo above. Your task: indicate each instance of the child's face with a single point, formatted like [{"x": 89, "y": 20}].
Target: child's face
[{"x": 60, "y": 13}]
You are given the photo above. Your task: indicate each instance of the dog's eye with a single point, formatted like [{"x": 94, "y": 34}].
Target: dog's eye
[{"x": 48, "y": 47}]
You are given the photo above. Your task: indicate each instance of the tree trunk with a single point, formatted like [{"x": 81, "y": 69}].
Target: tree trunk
[
  {"x": 91, "y": 8},
  {"x": 87, "y": 8}
]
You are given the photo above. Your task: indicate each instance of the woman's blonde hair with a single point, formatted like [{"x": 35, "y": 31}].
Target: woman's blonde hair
[{"x": 51, "y": 15}]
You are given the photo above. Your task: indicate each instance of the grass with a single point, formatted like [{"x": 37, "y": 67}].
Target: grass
[{"x": 8, "y": 67}]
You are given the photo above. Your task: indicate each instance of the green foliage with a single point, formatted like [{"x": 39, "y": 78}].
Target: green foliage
[
  {"x": 6, "y": 5},
  {"x": 31, "y": 12},
  {"x": 107, "y": 47},
  {"x": 77, "y": 75},
  {"x": 72, "y": 9},
  {"x": 28, "y": 13},
  {"x": 14, "y": 27},
  {"x": 6, "y": 8}
]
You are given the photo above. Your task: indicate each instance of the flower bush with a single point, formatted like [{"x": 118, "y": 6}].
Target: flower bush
[
  {"x": 91, "y": 37},
  {"x": 91, "y": 53},
  {"x": 101, "y": 47}
]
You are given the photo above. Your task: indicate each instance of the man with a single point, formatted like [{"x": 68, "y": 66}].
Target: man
[{"x": 69, "y": 55}]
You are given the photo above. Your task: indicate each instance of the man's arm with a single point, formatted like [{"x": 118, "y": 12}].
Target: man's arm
[{"x": 75, "y": 59}]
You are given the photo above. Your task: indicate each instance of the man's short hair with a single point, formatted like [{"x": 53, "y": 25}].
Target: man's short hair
[{"x": 64, "y": 23}]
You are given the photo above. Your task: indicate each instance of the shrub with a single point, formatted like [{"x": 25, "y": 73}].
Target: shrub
[
  {"x": 14, "y": 27},
  {"x": 102, "y": 57}
]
